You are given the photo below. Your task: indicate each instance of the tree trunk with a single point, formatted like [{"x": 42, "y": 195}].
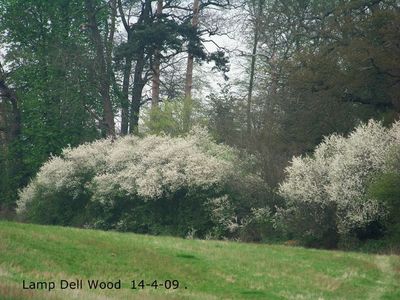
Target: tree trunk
[
  {"x": 103, "y": 73},
  {"x": 189, "y": 67},
  {"x": 12, "y": 155},
  {"x": 138, "y": 81},
  {"x": 155, "y": 88},
  {"x": 125, "y": 91},
  {"x": 138, "y": 85},
  {"x": 9, "y": 94},
  {"x": 127, "y": 74},
  {"x": 258, "y": 12},
  {"x": 125, "y": 96},
  {"x": 187, "y": 105},
  {"x": 3, "y": 127}
]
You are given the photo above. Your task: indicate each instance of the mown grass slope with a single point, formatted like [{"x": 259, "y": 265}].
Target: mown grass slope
[{"x": 208, "y": 269}]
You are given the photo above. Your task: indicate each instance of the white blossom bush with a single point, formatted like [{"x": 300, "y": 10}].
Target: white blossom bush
[
  {"x": 153, "y": 184},
  {"x": 336, "y": 177}
]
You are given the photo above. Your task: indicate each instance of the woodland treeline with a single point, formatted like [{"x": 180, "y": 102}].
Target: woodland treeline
[
  {"x": 67, "y": 78},
  {"x": 75, "y": 71}
]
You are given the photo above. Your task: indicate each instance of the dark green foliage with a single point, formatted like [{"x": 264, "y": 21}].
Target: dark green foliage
[
  {"x": 226, "y": 117},
  {"x": 59, "y": 208},
  {"x": 183, "y": 213},
  {"x": 49, "y": 60},
  {"x": 386, "y": 188},
  {"x": 175, "y": 215},
  {"x": 314, "y": 225}
]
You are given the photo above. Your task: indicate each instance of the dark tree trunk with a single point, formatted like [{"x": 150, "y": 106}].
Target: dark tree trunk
[
  {"x": 125, "y": 95},
  {"x": 10, "y": 132},
  {"x": 258, "y": 13},
  {"x": 9, "y": 95},
  {"x": 189, "y": 67},
  {"x": 187, "y": 105},
  {"x": 127, "y": 75},
  {"x": 138, "y": 85},
  {"x": 103, "y": 73},
  {"x": 138, "y": 80},
  {"x": 155, "y": 87}
]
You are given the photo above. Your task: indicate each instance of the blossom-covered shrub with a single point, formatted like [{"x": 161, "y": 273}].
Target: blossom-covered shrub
[
  {"x": 155, "y": 184},
  {"x": 327, "y": 192}
]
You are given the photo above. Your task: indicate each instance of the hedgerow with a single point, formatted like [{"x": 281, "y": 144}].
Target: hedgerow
[{"x": 156, "y": 184}]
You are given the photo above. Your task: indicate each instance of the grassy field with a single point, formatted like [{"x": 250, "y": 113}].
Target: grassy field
[{"x": 204, "y": 269}]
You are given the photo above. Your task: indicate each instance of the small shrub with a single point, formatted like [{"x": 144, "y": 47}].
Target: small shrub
[
  {"x": 173, "y": 117},
  {"x": 292, "y": 243}
]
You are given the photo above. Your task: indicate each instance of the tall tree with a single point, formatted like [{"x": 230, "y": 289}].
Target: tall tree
[
  {"x": 189, "y": 69},
  {"x": 155, "y": 88},
  {"x": 10, "y": 154},
  {"x": 139, "y": 80},
  {"x": 127, "y": 58},
  {"x": 153, "y": 38},
  {"x": 103, "y": 49},
  {"x": 258, "y": 10},
  {"x": 190, "y": 59},
  {"x": 47, "y": 61},
  {"x": 7, "y": 94}
]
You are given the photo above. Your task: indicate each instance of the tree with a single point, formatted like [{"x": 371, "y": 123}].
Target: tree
[
  {"x": 190, "y": 59},
  {"x": 48, "y": 76},
  {"x": 103, "y": 50},
  {"x": 10, "y": 131},
  {"x": 155, "y": 89},
  {"x": 8, "y": 95},
  {"x": 258, "y": 11},
  {"x": 155, "y": 38},
  {"x": 321, "y": 67}
]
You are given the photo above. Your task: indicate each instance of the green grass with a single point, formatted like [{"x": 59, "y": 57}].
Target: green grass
[{"x": 208, "y": 269}]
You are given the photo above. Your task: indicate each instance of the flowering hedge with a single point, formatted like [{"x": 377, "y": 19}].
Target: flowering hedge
[
  {"x": 336, "y": 177},
  {"x": 153, "y": 184}
]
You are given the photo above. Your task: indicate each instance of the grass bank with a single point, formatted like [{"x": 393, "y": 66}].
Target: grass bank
[{"x": 203, "y": 269}]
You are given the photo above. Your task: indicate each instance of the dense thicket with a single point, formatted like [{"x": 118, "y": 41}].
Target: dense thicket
[
  {"x": 327, "y": 194},
  {"x": 182, "y": 186}
]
